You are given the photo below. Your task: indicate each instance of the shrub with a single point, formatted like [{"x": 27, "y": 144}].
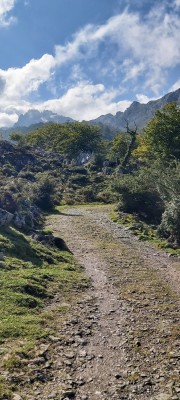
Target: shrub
[
  {"x": 79, "y": 179},
  {"x": 170, "y": 224},
  {"x": 43, "y": 191},
  {"x": 139, "y": 195}
]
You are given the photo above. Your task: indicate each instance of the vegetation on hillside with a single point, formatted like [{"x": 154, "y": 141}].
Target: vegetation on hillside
[
  {"x": 152, "y": 189},
  {"x": 143, "y": 171},
  {"x": 71, "y": 164}
]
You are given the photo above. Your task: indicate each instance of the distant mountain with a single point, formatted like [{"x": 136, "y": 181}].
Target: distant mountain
[
  {"x": 32, "y": 120},
  {"x": 137, "y": 113},
  {"x": 23, "y": 129},
  {"x": 32, "y": 117}
]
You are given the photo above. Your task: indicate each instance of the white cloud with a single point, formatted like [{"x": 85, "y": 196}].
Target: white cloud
[
  {"x": 7, "y": 120},
  {"x": 19, "y": 82},
  {"x": 5, "y": 7},
  {"x": 145, "y": 49},
  {"x": 175, "y": 86},
  {"x": 86, "y": 101},
  {"x": 82, "y": 102},
  {"x": 151, "y": 44},
  {"x": 144, "y": 99},
  {"x": 177, "y": 3}
]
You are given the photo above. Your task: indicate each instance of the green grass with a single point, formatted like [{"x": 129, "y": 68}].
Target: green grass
[
  {"x": 64, "y": 207},
  {"x": 30, "y": 275},
  {"x": 144, "y": 231}
]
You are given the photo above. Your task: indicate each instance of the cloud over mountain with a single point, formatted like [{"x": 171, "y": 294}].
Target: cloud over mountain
[{"x": 126, "y": 53}]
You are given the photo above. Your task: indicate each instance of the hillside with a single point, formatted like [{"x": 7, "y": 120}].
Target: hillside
[{"x": 84, "y": 284}]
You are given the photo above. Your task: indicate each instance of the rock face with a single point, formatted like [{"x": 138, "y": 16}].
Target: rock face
[
  {"x": 137, "y": 113},
  {"x": 5, "y": 217},
  {"x": 34, "y": 117},
  {"x": 110, "y": 124}
]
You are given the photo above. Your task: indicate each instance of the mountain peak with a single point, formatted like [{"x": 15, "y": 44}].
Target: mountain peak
[
  {"x": 33, "y": 116},
  {"x": 137, "y": 113}
]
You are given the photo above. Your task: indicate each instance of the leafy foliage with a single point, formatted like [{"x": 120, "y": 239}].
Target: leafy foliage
[
  {"x": 170, "y": 224},
  {"x": 43, "y": 191},
  {"x": 69, "y": 139},
  {"x": 162, "y": 134},
  {"x": 139, "y": 195},
  {"x": 119, "y": 146}
]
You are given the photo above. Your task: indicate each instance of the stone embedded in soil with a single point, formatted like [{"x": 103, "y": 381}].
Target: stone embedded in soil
[
  {"x": 82, "y": 353},
  {"x": 69, "y": 355}
]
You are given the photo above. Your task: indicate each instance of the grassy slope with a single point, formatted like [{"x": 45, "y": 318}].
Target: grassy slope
[{"x": 30, "y": 276}]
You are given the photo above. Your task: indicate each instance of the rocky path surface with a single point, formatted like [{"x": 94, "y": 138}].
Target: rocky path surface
[{"x": 121, "y": 339}]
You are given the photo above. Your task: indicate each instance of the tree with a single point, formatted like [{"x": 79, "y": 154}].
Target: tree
[
  {"x": 162, "y": 134},
  {"x": 119, "y": 146},
  {"x": 132, "y": 133},
  {"x": 82, "y": 138},
  {"x": 70, "y": 139},
  {"x": 19, "y": 138}
]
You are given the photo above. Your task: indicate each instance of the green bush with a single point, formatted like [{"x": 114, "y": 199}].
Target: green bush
[
  {"x": 170, "y": 224},
  {"x": 79, "y": 179},
  {"x": 43, "y": 191},
  {"x": 138, "y": 194}
]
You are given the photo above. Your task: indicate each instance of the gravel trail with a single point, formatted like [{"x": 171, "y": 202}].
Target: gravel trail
[{"x": 122, "y": 338}]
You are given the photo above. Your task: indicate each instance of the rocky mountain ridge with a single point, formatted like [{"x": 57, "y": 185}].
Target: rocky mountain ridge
[
  {"x": 32, "y": 117},
  {"x": 137, "y": 113}
]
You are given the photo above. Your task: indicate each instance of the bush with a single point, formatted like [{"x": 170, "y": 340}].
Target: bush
[
  {"x": 139, "y": 195},
  {"x": 43, "y": 192},
  {"x": 170, "y": 224},
  {"x": 145, "y": 203},
  {"x": 79, "y": 179}
]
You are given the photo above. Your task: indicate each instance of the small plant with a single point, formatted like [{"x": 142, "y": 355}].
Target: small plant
[{"x": 12, "y": 362}]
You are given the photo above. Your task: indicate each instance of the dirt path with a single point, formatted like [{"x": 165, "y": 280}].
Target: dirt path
[{"x": 122, "y": 339}]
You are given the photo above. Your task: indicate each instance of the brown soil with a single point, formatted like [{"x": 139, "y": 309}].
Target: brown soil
[{"x": 121, "y": 337}]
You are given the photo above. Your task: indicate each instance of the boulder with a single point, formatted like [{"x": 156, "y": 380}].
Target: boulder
[
  {"x": 50, "y": 240},
  {"x": 5, "y": 217},
  {"x": 45, "y": 239},
  {"x": 19, "y": 220},
  {"x": 26, "y": 218}
]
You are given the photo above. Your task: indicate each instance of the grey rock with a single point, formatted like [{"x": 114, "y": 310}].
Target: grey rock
[
  {"x": 5, "y": 217},
  {"x": 82, "y": 353},
  {"x": 19, "y": 220},
  {"x": 70, "y": 355},
  {"x": 35, "y": 117},
  {"x": 17, "y": 397},
  {"x": 69, "y": 394}
]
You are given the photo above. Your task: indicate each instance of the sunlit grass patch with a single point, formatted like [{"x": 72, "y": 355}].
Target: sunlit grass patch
[
  {"x": 141, "y": 229},
  {"x": 30, "y": 275}
]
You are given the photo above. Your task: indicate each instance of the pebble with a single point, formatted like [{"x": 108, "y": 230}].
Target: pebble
[
  {"x": 82, "y": 353},
  {"x": 70, "y": 355},
  {"x": 68, "y": 363},
  {"x": 17, "y": 397}
]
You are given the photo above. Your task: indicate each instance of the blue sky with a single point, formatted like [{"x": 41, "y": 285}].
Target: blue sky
[{"x": 84, "y": 58}]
